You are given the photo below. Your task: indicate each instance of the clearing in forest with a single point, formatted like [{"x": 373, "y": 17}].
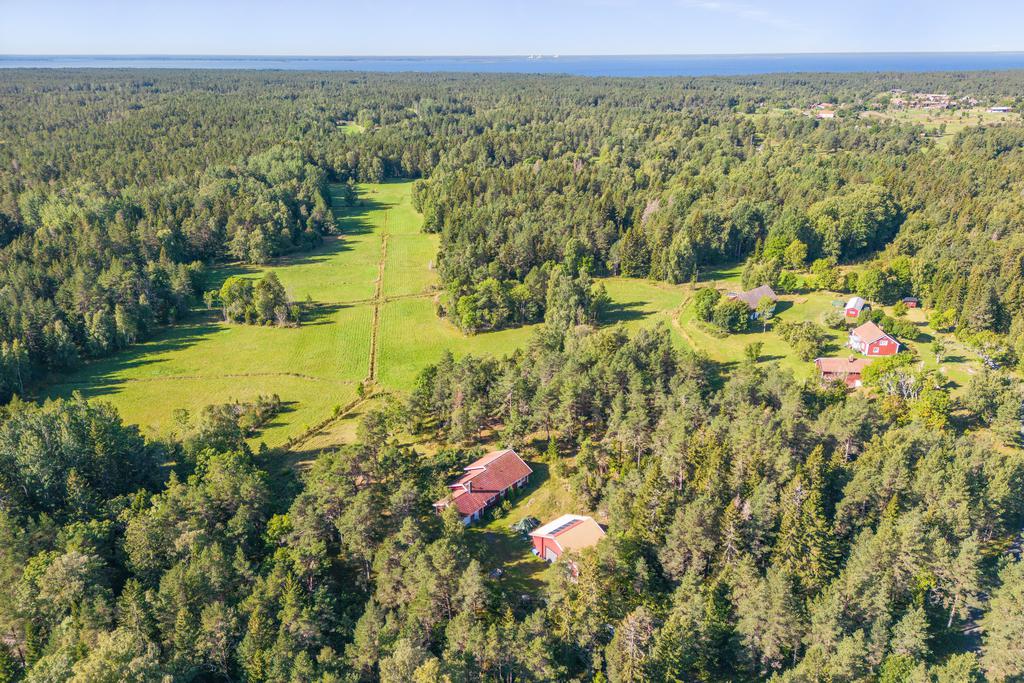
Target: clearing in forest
[{"x": 374, "y": 320}]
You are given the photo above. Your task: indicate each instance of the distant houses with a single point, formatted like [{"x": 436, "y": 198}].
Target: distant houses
[
  {"x": 568, "y": 532},
  {"x": 845, "y": 370},
  {"x": 753, "y": 297},
  {"x": 486, "y": 481},
  {"x": 871, "y": 340},
  {"x": 855, "y": 306}
]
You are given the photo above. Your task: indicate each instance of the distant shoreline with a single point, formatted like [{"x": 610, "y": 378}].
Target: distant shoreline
[{"x": 578, "y": 65}]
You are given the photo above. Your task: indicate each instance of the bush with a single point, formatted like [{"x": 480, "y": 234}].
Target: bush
[
  {"x": 834, "y": 319},
  {"x": 704, "y": 301},
  {"x": 901, "y": 329},
  {"x": 710, "y": 329},
  {"x": 731, "y": 316},
  {"x": 806, "y": 338}
]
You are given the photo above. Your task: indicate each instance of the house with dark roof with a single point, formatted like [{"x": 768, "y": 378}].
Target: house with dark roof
[
  {"x": 566, "y": 533},
  {"x": 753, "y": 297},
  {"x": 845, "y": 370},
  {"x": 871, "y": 340},
  {"x": 485, "y": 481}
]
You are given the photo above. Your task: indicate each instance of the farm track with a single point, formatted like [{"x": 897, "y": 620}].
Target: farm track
[{"x": 378, "y": 302}]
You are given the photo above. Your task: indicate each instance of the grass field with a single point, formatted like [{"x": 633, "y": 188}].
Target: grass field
[
  {"x": 372, "y": 286},
  {"x": 314, "y": 367},
  {"x": 206, "y": 361},
  {"x": 350, "y": 127},
  {"x": 955, "y": 120}
]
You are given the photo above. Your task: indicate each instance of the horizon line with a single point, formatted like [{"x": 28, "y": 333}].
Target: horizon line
[{"x": 549, "y": 55}]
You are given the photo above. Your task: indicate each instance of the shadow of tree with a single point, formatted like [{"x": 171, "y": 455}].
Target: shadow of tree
[
  {"x": 100, "y": 377},
  {"x": 623, "y": 311}
]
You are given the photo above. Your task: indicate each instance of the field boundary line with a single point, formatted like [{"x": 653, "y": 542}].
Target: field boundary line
[
  {"x": 378, "y": 301},
  {"x": 383, "y": 299},
  {"x": 292, "y": 442}
]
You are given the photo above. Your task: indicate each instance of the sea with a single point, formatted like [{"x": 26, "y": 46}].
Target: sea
[{"x": 617, "y": 65}]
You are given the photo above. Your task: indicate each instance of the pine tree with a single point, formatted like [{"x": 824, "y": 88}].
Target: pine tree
[
  {"x": 1002, "y": 653},
  {"x": 806, "y": 543}
]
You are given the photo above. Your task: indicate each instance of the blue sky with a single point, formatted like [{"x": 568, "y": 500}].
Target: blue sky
[{"x": 505, "y": 27}]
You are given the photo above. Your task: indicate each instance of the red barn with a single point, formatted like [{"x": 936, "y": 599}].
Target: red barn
[
  {"x": 485, "y": 481},
  {"x": 568, "y": 532},
  {"x": 910, "y": 301},
  {"x": 854, "y": 307},
  {"x": 871, "y": 340}
]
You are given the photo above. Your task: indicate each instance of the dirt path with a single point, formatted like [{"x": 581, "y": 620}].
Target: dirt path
[{"x": 378, "y": 302}]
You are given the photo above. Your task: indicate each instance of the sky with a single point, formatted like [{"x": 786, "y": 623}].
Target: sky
[{"x": 506, "y": 27}]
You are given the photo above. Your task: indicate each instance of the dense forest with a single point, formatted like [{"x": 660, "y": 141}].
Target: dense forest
[{"x": 759, "y": 527}]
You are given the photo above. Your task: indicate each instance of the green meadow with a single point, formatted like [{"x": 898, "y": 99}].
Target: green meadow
[
  {"x": 373, "y": 290},
  {"x": 379, "y": 267}
]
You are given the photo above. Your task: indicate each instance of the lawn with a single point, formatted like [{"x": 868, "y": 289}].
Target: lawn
[
  {"x": 957, "y": 367},
  {"x": 729, "y": 349}
]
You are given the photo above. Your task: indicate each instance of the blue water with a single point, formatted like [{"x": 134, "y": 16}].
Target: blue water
[{"x": 638, "y": 65}]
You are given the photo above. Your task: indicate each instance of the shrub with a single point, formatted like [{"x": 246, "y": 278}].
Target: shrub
[
  {"x": 704, "y": 301},
  {"x": 806, "y": 338},
  {"x": 731, "y": 315},
  {"x": 834, "y": 319}
]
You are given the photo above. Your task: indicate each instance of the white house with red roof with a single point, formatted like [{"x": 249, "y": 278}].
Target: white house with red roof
[
  {"x": 484, "y": 482},
  {"x": 871, "y": 340},
  {"x": 568, "y": 532}
]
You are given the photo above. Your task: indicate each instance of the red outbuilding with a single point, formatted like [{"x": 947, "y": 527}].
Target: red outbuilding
[
  {"x": 845, "y": 370},
  {"x": 855, "y": 306},
  {"x": 568, "y": 532}
]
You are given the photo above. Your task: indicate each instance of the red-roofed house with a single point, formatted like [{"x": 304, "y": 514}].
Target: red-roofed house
[
  {"x": 871, "y": 340},
  {"x": 485, "y": 481},
  {"x": 568, "y": 532},
  {"x": 845, "y": 370}
]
